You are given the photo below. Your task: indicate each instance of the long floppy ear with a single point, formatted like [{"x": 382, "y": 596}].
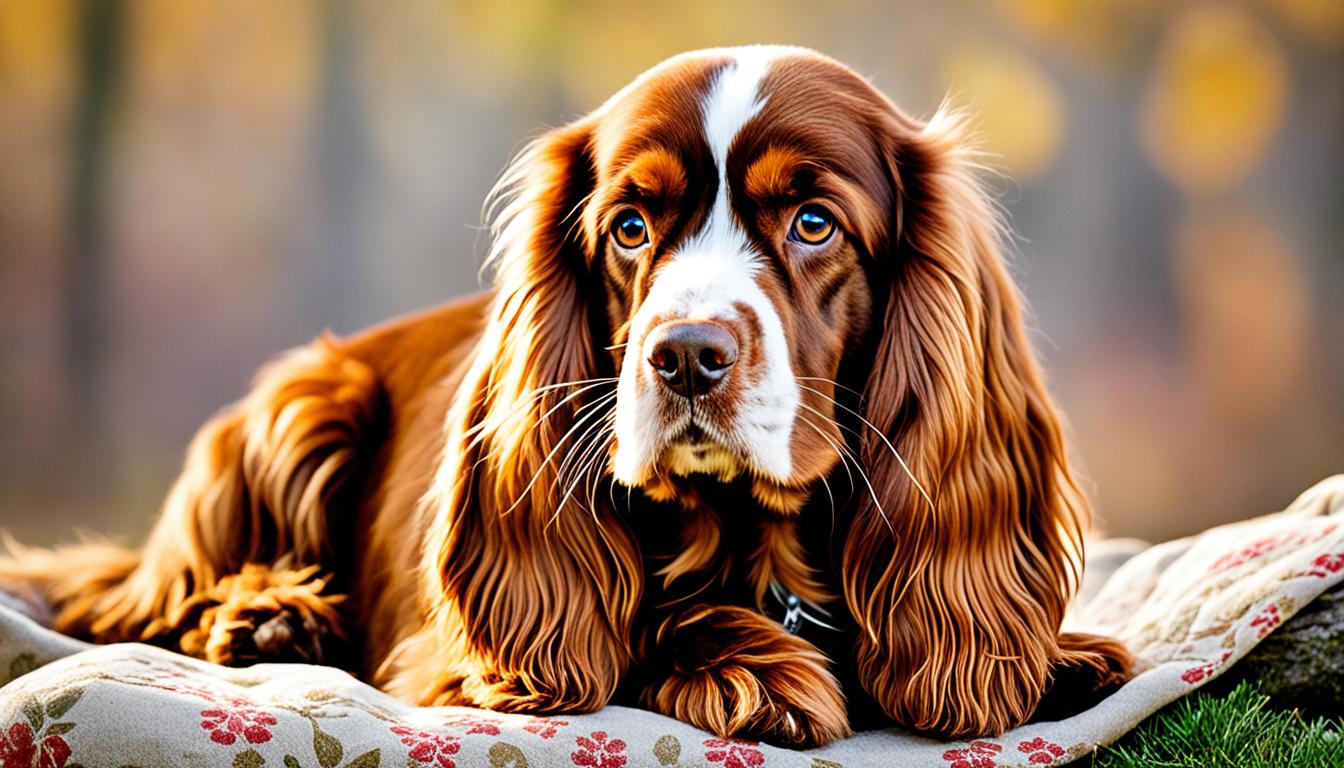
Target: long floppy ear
[
  {"x": 959, "y": 580},
  {"x": 532, "y": 599}
]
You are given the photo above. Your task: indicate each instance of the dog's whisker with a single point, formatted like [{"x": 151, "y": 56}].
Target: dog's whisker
[
  {"x": 872, "y": 492},
  {"x": 551, "y": 454},
  {"x": 560, "y": 385},
  {"x": 904, "y": 467},
  {"x": 534, "y": 395},
  {"x": 575, "y": 463},
  {"x": 845, "y": 453},
  {"x": 832, "y": 382},
  {"x": 844, "y": 446},
  {"x": 586, "y": 449},
  {"x": 492, "y": 389},
  {"x": 611, "y": 487},
  {"x": 599, "y": 462},
  {"x": 572, "y": 457},
  {"x": 495, "y": 426},
  {"x": 594, "y": 472},
  {"x": 843, "y": 463},
  {"x": 519, "y": 409},
  {"x": 564, "y": 499},
  {"x": 830, "y": 496}
]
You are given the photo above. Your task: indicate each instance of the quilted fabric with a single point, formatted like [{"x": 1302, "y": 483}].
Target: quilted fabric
[{"x": 1189, "y": 608}]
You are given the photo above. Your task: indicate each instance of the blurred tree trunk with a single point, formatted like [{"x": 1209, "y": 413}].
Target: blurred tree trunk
[
  {"x": 344, "y": 170},
  {"x": 99, "y": 40}
]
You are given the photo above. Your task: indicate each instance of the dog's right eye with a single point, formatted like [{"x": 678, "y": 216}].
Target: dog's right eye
[
  {"x": 812, "y": 226},
  {"x": 630, "y": 230}
]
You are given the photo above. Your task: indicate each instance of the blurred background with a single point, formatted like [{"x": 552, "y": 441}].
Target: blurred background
[{"x": 188, "y": 188}]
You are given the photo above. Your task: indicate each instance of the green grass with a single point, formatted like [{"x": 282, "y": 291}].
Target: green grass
[{"x": 1237, "y": 729}]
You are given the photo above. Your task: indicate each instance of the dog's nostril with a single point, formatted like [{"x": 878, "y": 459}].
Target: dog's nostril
[
  {"x": 714, "y": 359},
  {"x": 665, "y": 360}
]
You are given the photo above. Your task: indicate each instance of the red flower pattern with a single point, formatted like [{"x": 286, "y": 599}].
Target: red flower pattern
[
  {"x": 1041, "y": 751},
  {"x": 19, "y": 748},
  {"x": 596, "y": 751},
  {"x": 1325, "y": 565},
  {"x": 474, "y": 724},
  {"x": 227, "y": 723},
  {"x": 1267, "y": 620},
  {"x": 1245, "y": 554},
  {"x": 1268, "y": 544},
  {"x": 545, "y": 727},
  {"x": 977, "y": 754},
  {"x": 429, "y": 748},
  {"x": 232, "y": 718},
  {"x": 733, "y": 753},
  {"x": 1196, "y": 674}
]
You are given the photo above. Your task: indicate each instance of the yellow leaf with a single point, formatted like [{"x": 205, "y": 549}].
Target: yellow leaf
[
  {"x": 37, "y": 55},
  {"x": 1216, "y": 98}
]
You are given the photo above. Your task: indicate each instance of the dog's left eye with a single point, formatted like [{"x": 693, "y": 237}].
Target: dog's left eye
[
  {"x": 812, "y": 226},
  {"x": 630, "y": 230}
]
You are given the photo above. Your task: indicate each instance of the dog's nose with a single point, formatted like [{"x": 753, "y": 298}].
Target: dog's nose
[{"x": 691, "y": 357}]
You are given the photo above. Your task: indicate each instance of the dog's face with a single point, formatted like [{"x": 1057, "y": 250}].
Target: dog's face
[{"x": 738, "y": 194}]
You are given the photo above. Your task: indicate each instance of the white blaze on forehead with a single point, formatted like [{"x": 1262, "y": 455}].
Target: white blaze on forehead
[
  {"x": 734, "y": 100},
  {"x": 706, "y": 279}
]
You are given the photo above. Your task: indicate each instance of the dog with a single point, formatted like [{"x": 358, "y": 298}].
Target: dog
[{"x": 747, "y": 432}]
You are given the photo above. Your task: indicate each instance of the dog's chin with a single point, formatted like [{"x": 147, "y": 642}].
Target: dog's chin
[
  {"x": 659, "y": 452},
  {"x": 692, "y": 456},
  {"x": 686, "y": 458},
  {"x": 680, "y": 453}
]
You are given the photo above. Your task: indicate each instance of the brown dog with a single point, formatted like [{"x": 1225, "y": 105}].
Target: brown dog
[{"x": 748, "y": 432}]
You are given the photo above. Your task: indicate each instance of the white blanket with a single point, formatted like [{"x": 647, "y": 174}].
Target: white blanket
[{"x": 1188, "y": 608}]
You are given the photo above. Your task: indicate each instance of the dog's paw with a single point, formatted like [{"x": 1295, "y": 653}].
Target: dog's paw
[
  {"x": 532, "y": 695},
  {"x": 739, "y": 674},
  {"x": 783, "y": 702},
  {"x": 262, "y": 615},
  {"x": 239, "y": 637}
]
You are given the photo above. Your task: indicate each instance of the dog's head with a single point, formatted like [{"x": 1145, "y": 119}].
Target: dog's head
[{"x": 730, "y": 211}]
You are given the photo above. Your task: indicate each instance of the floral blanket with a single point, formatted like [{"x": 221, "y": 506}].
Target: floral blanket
[{"x": 1188, "y": 608}]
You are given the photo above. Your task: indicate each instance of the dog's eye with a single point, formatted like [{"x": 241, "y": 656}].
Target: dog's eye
[
  {"x": 630, "y": 230},
  {"x": 813, "y": 225}
]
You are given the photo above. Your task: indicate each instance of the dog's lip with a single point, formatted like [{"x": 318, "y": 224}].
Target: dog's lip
[{"x": 696, "y": 437}]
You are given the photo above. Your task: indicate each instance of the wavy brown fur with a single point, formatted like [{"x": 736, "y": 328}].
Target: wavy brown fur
[
  {"x": 258, "y": 481},
  {"x": 530, "y": 607},
  {"x": 959, "y": 602},
  {"x": 437, "y": 490}
]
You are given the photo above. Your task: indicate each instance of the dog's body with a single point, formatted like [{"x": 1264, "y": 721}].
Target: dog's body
[
  {"x": 813, "y": 482},
  {"x": 356, "y": 426}
]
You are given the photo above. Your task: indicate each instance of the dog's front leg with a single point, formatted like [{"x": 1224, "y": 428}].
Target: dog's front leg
[{"x": 735, "y": 672}]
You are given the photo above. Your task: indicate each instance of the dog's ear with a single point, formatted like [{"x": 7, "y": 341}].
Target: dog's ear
[
  {"x": 534, "y": 586},
  {"x": 959, "y": 580}
]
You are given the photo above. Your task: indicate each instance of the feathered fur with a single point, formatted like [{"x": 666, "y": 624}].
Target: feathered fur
[{"x": 438, "y": 494}]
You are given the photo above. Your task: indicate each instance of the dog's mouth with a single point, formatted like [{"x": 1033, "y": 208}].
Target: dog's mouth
[
  {"x": 692, "y": 435},
  {"x": 698, "y": 450}
]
